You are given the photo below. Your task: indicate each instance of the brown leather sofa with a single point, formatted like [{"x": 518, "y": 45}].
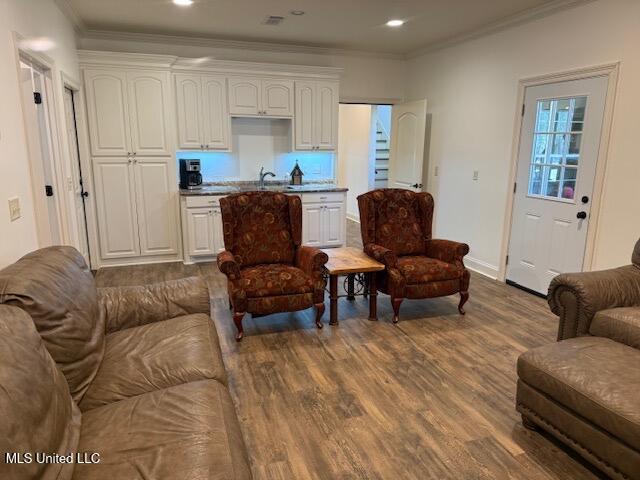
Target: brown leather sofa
[
  {"x": 396, "y": 231},
  {"x": 585, "y": 389},
  {"x": 267, "y": 268},
  {"x": 134, "y": 374}
]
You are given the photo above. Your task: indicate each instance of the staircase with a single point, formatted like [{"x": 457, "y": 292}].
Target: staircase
[{"x": 382, "y": 157}]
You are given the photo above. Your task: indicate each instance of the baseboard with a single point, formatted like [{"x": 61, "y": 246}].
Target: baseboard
[
  {"x": 353, "y": 218},
  {"x": 481, "y": 267}
]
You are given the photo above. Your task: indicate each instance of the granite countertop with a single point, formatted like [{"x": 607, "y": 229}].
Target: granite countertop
[{"x": 228, "y": 188}]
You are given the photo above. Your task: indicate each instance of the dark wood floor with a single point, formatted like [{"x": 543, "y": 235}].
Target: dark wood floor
[{"x": 429, "y": 398}]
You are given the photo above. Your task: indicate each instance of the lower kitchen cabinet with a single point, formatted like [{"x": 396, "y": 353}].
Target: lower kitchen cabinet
[
  {"x": 136, "y": 207},
  {"x": 323, "y": 224},
  {"x": 204, "y": 231}
]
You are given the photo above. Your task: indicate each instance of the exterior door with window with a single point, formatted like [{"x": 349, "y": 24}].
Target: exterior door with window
[{"x": 557, "y": 158}]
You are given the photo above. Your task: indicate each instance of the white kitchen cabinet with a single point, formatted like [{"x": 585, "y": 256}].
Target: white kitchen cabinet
[
  {"x": 261, "y": 97},
  {"x": 129, "y": 112},
  {"x": 202, "y": 113},
  {"x": 333, "y": 219},
  {"x": 108, "y": 112},
  {"x": 316, "y": 118},
  {"x": 188, "y": 114},
  {"x": 150, "y": 112},
  {"x": 131, "y": 136},
  {"x": 323, "y": 220},
  {"x": 200, "y": 231},
  {"x": 312, "y": 224},
  {"x": 216, "y": 121},
  {"x": 116, "y": 207},
  {"x": 202, "y": 226},
  {"x": 277, "y": 98},
  {"x": 156, "y": 204}
]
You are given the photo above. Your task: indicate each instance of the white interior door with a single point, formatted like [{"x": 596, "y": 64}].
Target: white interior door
[
  {"x": 41, "y": 155},
  {"x": 77, "y": 191},
  {"x": 557, "y": 158},
  {"x": 406, "y": 155}
]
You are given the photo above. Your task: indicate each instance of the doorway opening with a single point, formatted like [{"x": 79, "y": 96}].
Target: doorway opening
[
  {"x": 37, "y": 100},
  {"x": 78, "y": 192},
  {"x": 364, "y": 140}
]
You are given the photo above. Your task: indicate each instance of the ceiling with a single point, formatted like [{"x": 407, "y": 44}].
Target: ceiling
[{"x": 340, "y": 24}]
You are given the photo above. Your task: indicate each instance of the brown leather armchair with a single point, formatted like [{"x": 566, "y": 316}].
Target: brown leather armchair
[
  {"x": 396, "y": 231},
  {"x": 268, "y": 270}
]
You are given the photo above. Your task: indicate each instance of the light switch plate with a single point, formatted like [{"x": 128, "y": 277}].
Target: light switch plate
[{"x": 14, "y": 208}]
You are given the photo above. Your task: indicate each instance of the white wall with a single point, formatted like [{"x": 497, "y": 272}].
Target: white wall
[
  {"x": 374, "y": 79},
  {"x": 356, "y": 153},
  {"x": 29, "y": 18},
  {"x": 472, "y": 90}
]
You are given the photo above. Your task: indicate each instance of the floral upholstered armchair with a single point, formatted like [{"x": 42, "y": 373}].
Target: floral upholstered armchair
[
  {"x": 268, "y": 271},
  {"x": 396, "y": 231}
]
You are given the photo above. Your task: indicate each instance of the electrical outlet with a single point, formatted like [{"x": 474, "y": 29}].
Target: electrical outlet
[
  {"x": 14, "y": 208},
  {"x": 476, "y": 174}
]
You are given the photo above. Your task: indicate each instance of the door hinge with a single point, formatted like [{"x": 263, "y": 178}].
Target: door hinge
[
  {"x": 48, "y": 190},
  {"x": 37, "y": 98},
  {"x": 515, "y": 186},
  {"x": 523, "y": 109},
  {"x": 507, "y": 261}
]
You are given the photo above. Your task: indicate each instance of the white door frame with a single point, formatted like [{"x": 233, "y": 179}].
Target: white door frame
[
  {"x": 85, "y": 163},
  {"x": 35, "y": 169},
  {"x": 608, "y": 70}
]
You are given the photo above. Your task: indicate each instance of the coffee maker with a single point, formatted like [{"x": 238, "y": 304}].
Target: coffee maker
[{"x": 190, "y": 176}]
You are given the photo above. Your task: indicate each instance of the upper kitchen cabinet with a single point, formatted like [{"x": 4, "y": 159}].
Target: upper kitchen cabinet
[
  {"x": 316, "y": 119},
  {"x": 128, "y": 112},
  {"x": 261, "y": 97},
  {"x": 202, "y": 113},
  {"x": 108, "y": 112},
  {"x": 149, "y": 112}
]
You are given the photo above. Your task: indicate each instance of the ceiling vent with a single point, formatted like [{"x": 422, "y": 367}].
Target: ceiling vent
[{"x": 273, "y": 20}]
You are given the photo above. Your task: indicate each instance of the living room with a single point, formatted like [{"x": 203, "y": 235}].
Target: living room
[{"x": 319, "y": 240}]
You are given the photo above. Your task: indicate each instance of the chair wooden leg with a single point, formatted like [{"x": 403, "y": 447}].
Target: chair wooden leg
[
  {"x": 395, "y": 303},
  {"x": 237, "y": 319},
  {"x": 464, "y": 296},
  {"x": 528, "y": 424},
  {"x": 319, "y": 313}
]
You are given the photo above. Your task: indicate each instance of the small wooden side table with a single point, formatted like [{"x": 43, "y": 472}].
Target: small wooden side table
[{"x": 350, "y": 261}]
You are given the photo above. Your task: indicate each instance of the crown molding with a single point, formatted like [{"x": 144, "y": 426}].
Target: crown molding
[
  {"x": 70, "y": 12},
  {"x": 545, "y": 10},
  {"x": 148, "y": 61},
  {"x": 100, "y": 58},
  {"x": 212, "y": 42},
  {"x": 520, "y": 18}
]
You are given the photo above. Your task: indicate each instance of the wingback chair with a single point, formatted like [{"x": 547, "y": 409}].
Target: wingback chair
[
  {"x": 268, "y": 270},
  {"x": 396, "y": 231}
]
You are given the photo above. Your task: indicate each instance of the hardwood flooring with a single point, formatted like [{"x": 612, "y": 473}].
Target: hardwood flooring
[{"x": 429, "y": 398}]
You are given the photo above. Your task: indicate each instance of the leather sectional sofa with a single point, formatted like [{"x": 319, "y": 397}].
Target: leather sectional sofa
[
  {"x": 134, "y": 374},
  {"x": 585, "y": 389}
]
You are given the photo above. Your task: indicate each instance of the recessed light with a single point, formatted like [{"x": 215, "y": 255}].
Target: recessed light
[
  {"x": 297, "y": 12},
  {"x": 183, "y": 3},
  {"x": 395, "y": 23}
]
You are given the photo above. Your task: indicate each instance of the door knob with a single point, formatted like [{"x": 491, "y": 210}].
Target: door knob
[
  {"x": 585, "y": 199},
  {"x": 417, "y": 185},
  {"x": 581, "y": 215},
  {"x": 85, "y": 194}
]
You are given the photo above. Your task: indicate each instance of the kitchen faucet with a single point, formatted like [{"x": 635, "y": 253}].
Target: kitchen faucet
[{"x": 262, "y": 175}]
